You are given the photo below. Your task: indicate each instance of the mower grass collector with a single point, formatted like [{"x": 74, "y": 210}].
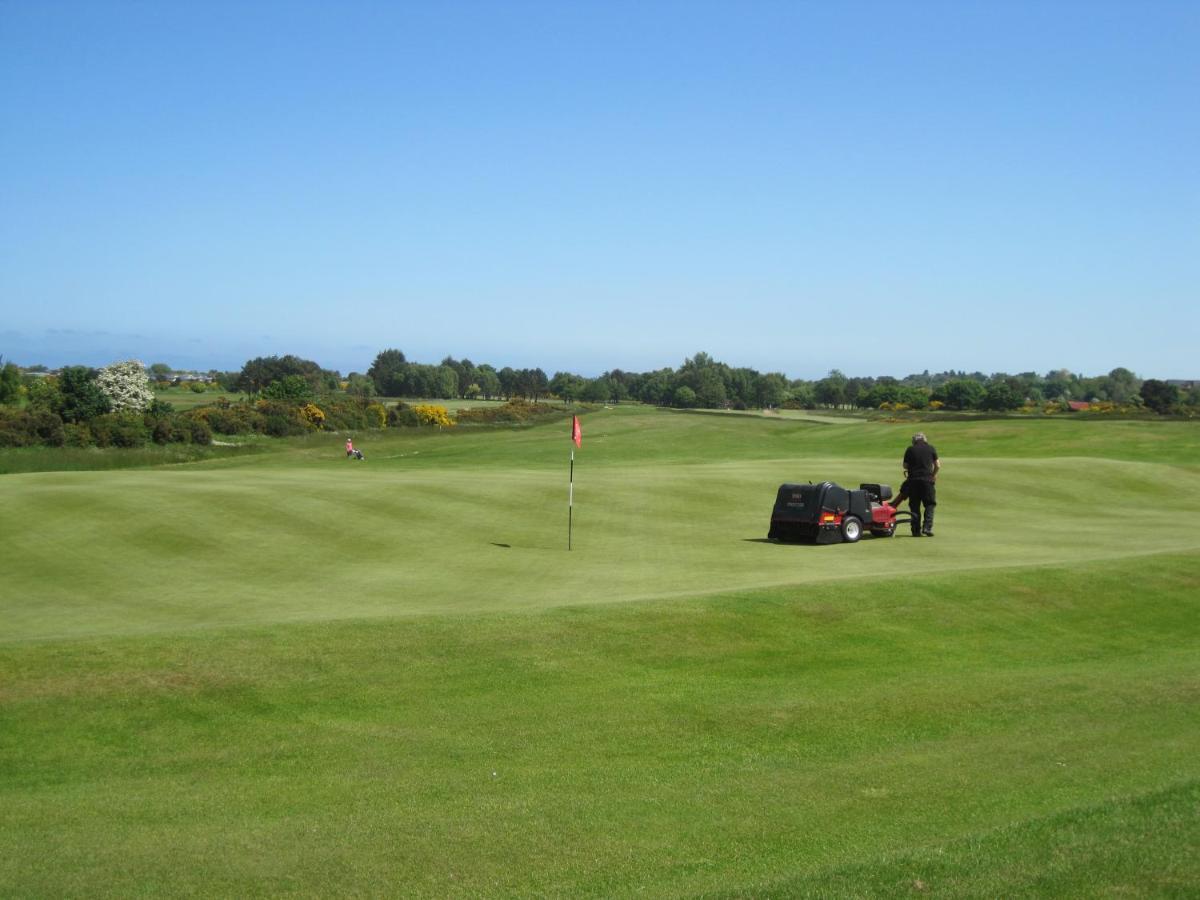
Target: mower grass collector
[{"x": 827, "y": 513}]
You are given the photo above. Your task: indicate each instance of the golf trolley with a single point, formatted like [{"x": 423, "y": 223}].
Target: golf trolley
[{"x": 827, "y": 513}]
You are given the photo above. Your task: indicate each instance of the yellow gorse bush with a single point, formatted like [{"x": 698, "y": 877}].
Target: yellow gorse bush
[
  {"x": 313, "y": 415},
  {"x": 431, "y": 414}
]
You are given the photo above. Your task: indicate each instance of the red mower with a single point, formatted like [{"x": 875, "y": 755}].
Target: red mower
[{"x": 827, "y": 513}]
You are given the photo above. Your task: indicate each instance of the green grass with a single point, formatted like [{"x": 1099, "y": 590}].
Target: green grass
[
  {"x": 291, "y": 673},
  {"x": 183, "y": 398}
]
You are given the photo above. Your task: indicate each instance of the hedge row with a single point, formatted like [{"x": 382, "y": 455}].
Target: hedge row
[
  {"x": 514, "y": 412},
  {"x": 275, "y": 418},
  {"x": 29, "y": 428}
]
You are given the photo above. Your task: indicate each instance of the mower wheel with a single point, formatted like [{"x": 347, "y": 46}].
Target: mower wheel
[
  {"x": 883, "y": 532},
  {"x": 851, "y": 529}
]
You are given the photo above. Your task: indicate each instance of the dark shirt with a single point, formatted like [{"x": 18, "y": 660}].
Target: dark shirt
[{"x": 919, "y": 460}]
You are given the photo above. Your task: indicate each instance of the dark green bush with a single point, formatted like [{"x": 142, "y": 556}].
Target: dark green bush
[
  {"x": 164, "y": 430},
  {"x": 76, "y": 435},
  {"x": 231, "y": 418},
  {"x": 16, "y": 428},
  {"x": 347, "y": 415},
  {"x": 514, "y": 412},
  {"x": 28, "y": 428},
  {"x": 119, "y": 429},
  {"x": 282, "y": 418},
  {"x": 197, "y": 429},
  {"x": 402, "y": 416}
]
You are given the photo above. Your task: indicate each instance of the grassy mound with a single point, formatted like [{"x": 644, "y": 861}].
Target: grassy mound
[{"x": 287, "y": 672}]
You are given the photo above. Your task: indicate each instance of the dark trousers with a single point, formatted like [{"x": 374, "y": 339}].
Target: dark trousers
[{"x": 922, "y": 493}]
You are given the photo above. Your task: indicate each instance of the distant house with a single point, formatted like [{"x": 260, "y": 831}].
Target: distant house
[{"x": 1078, "y": 405}]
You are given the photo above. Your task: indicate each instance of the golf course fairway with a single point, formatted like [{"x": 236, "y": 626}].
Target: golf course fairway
[{"x": 277, "y": 671}]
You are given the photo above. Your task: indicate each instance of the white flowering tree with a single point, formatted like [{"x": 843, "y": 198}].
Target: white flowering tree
[{"x": 127, "y": 385}]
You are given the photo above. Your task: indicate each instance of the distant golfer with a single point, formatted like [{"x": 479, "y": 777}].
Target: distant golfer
[
  {"x": 921, "y": 466},
  {"x": 349, "y": 447}
]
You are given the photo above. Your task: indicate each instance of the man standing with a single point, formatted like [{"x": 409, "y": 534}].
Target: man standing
[{"x": 921, "y": 465}]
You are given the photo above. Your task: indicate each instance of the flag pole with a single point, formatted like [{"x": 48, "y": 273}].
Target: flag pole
[{"x": 577, "y": 440}]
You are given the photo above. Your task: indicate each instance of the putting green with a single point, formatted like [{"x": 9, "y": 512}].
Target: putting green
[{"x": 436, "y": 526}]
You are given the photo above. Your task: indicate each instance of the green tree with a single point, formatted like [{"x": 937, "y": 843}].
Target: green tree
[
  {"x": 1059, "y": 385},
  {"x": 1001, "y": 395},
  {"x": 389, "y": 372},
  {"x": 261, "y": 371},
  {"x": 620, "y": 383},
  {"x": 44, "y": 394},
  {"x": 710, "y": 388},
  {"x": 446, "y": 382},
  {"x": 464, "y": 370},
  {"x": 531, "y": 383},
  {"x": 1122, "y": 386},
  {"x": 655, "y": 387},
  {"x": 961, "y": 393},
  {"x": 10, "y": 382},
  {"x": 1159, "y": 395},
  {"x": 885, "y": 390},
  {"x": 771, "y": 390},
  {"x": 290, "y": 387},
  {"x": 684, "y": 397},
  {"x": 488, "y": 380},
  {"x": 831, "y": 390},
  {"x": 598, "y": 390},
  {"x": 803, "y": 393},
  {"x": 360, "y": 387},
  {"x": 508, "y": 382},
  {"x": 915, "y": 397},
  {"x": 567, "y": 386},
  {"x": 82, "y": 398}
]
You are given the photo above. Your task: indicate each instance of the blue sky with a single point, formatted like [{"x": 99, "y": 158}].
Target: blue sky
[{"x": 878, "y": 187}]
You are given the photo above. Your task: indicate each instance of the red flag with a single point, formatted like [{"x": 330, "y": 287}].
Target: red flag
[{"x": 576, "y": 431}]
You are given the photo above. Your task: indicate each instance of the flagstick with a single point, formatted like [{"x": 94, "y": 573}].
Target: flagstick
[{"x": 571, "y": 500}]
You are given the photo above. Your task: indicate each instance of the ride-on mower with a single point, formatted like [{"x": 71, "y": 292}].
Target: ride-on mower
[{"x": 827, "y": 513}]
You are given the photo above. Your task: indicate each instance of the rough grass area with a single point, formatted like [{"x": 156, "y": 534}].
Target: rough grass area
[{"x": 290, "y": 673}]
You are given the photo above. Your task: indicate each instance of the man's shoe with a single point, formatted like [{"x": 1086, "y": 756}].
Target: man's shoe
[
  {"x": 916, "y": 534},
  {"x": 927, "y": 533}
]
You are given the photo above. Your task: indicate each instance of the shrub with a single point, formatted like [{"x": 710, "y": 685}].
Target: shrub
[
  {"x": 290, "y": 387},
  {"x": 15, "y": 428},
  {"x": 376, "y": 415},
  {"x": 198, "y": 430},
  {"x": 312, "y": 414},
  {"x": 432, "y": 414},
  {"x": 164, "y": 431},
  {"x": 77, "y": 436},
  {"x": 402, "y": 416},
  {"x": 49, "y": 429},
  {"x": 279, "y": 425},
  {"x": 231, "y": 419},
  {"x": 515, "y": 412},
  {"x": 119, "y": 429},
  {"x": 28, "y": 428},
  {"x": 346, "y": 415}
]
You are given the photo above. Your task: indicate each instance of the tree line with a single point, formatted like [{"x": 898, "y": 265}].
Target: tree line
[
  {"x": 703, "y": 382},
  {"x": 699, "y": 382}
]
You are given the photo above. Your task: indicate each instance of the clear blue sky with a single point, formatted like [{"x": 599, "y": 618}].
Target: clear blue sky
[{"x": 878, "y": 187}]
